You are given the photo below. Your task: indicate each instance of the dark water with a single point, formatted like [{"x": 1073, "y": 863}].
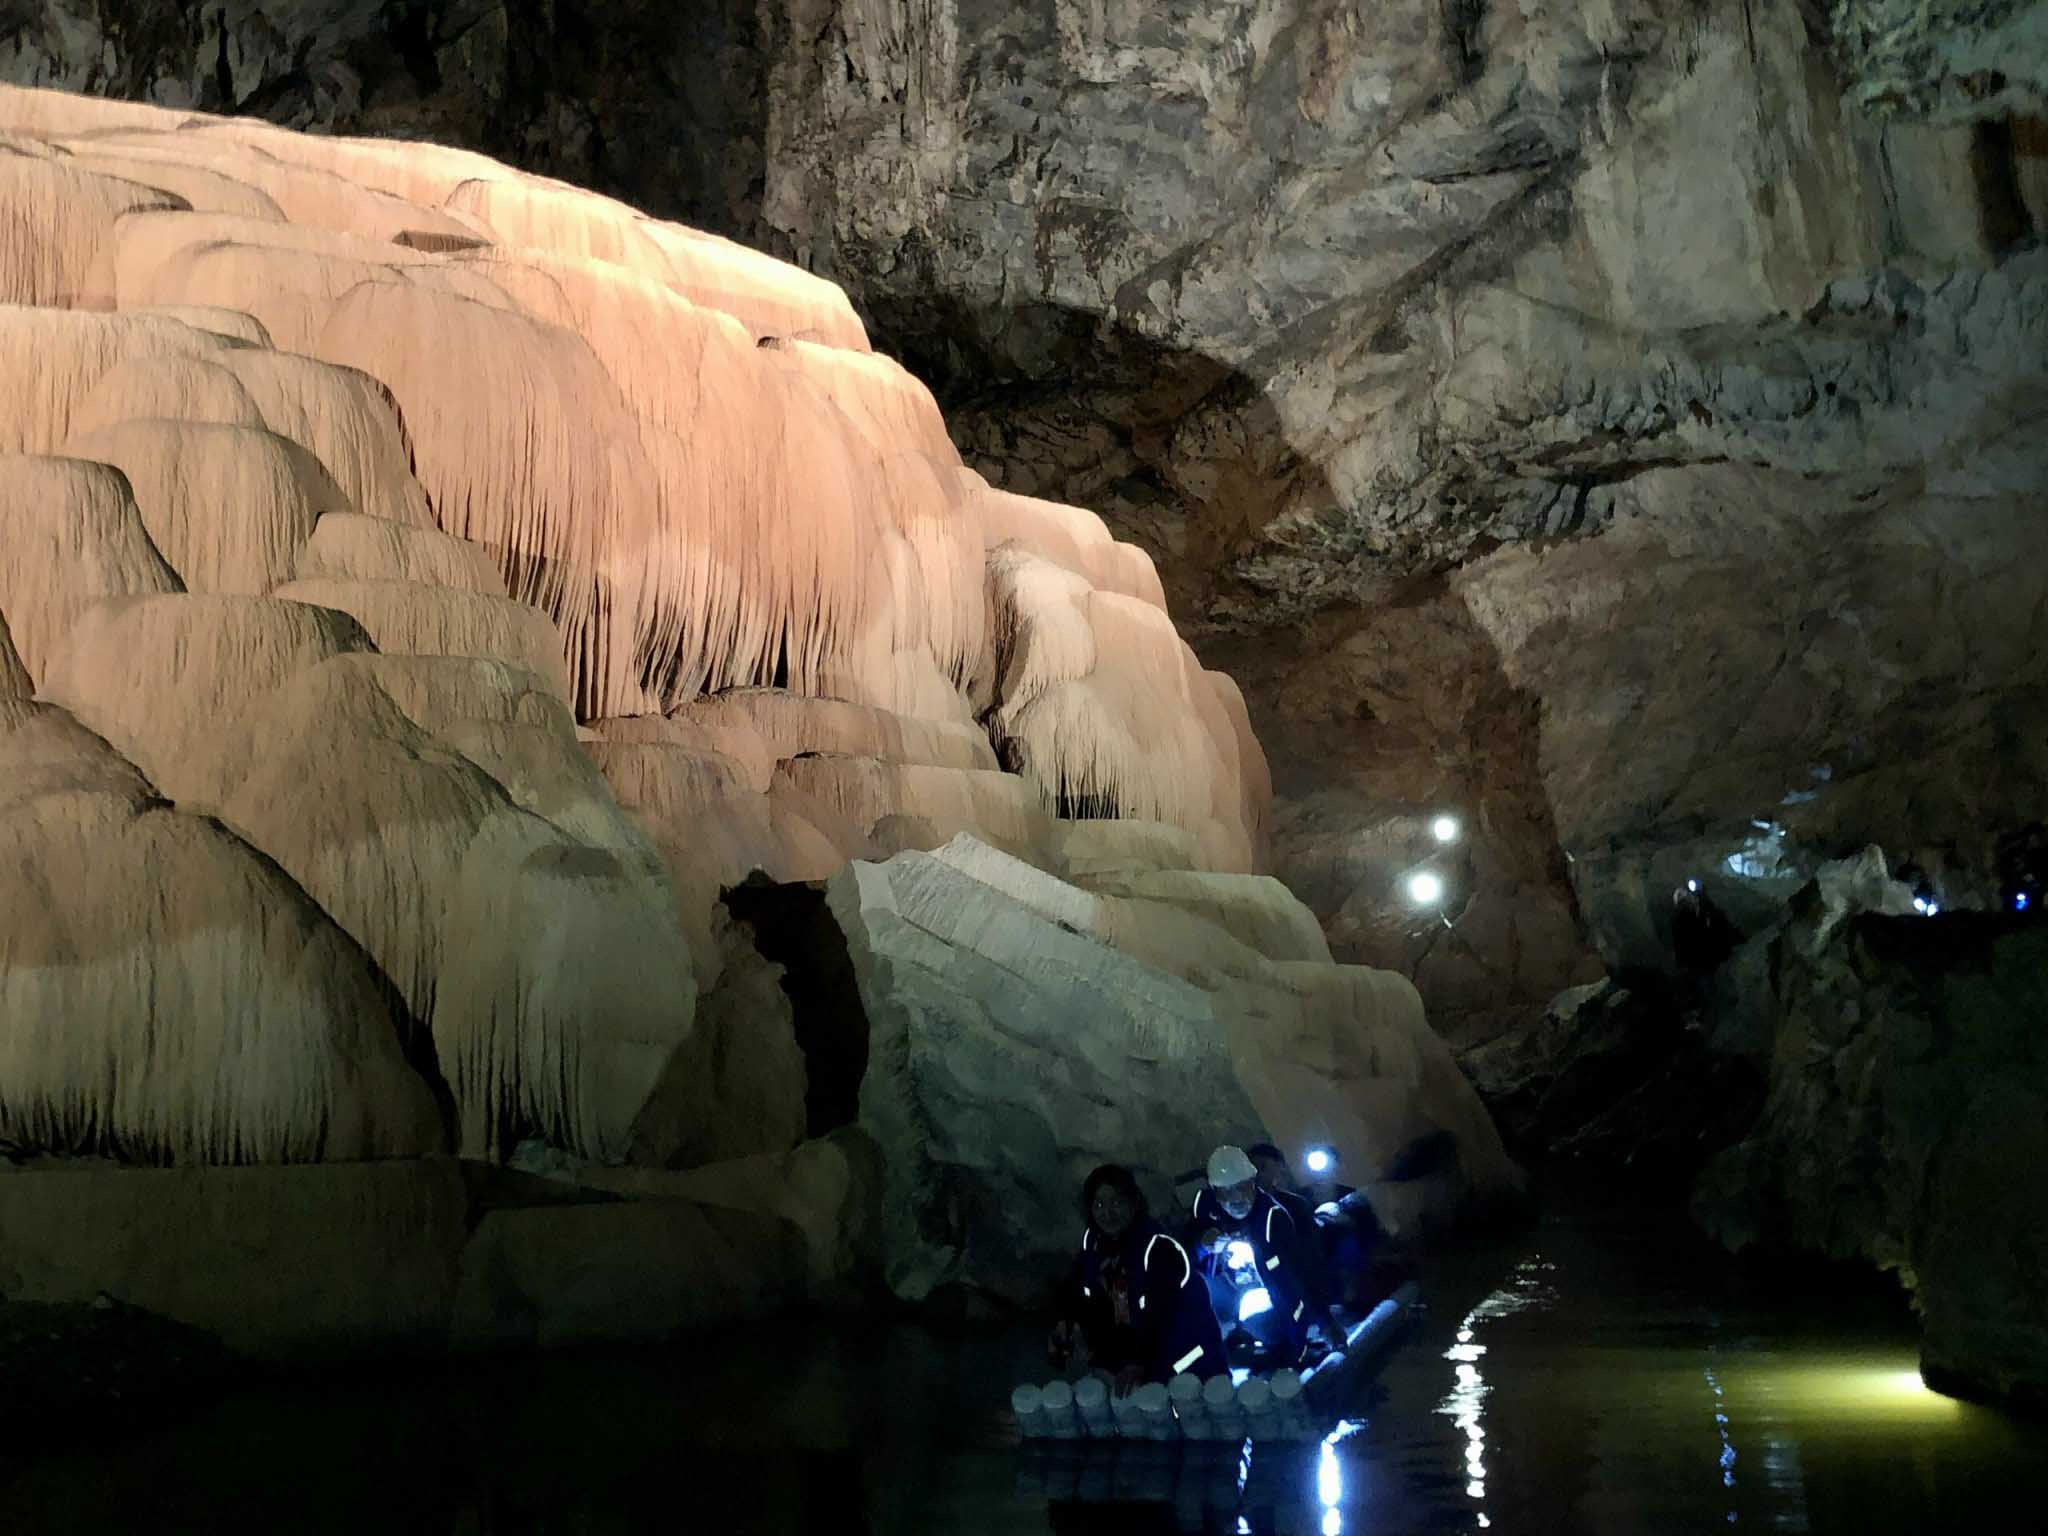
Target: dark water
[{"x": 1591, "y": 1375}]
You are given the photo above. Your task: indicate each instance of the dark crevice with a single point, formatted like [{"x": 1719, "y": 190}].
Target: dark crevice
[
  {"x": 1464, "y": 47},
  {"x": 2001, "y": 207},
  {"x": 409, "y": 24},
  {"x": 794, "y": 928}
]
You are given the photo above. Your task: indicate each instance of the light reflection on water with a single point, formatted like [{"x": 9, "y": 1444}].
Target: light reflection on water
[{"x": 1581, "y": 1380}]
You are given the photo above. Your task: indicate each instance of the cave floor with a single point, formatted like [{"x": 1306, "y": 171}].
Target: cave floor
[{"x": 1601, "y": 1371}]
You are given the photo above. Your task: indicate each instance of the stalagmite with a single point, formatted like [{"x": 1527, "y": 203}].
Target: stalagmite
[
  {"x": 410, "y": 618},
  {"x": 192, "y": 389},
  {"x": 52, "y": 360},
  {"x": 15, "y": 682},
  {"x": 202, "y": 189},
  {"x": 217, "y": 655},
  {"x": 346, "y": 419}
]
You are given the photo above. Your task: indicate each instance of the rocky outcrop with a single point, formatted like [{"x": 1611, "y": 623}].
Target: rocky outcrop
[
  {"x": 332, "y": 1262},
  {"x": 1906, "y": 1085},
  {"x": 1023, "y": 1029},
  {"x": 479, "y": 614}
]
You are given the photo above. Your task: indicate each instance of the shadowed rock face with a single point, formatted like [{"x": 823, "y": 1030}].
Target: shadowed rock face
[{"x": 1905, "y": 1099}]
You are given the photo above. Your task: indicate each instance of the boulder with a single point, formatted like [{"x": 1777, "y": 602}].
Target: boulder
[{"x": 1009, "y": 1055}]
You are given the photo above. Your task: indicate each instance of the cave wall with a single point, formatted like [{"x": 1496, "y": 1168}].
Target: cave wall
[
  {"x": 1646, "y": 395},
  {"x": 1581, "y": 366}
]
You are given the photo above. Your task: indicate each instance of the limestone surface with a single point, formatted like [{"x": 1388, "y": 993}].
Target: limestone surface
[{"x": 1024, "y": 1029}]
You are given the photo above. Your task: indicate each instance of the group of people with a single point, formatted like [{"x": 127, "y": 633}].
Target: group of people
[{"x": 1253, "y": 1272}]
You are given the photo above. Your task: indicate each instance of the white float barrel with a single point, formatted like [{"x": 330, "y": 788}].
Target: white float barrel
[
  {"x": 1186, "y": 1392},
  {"x": 1219, "y": 1404},
  {"x": 1024, "y": 1403},
  {"x": 1056, "y": 1407},
  {"x": 1155, "y": 1410},
  {"x": 1290, "y": 1408},
  {"x": 1091, "y": 1403},
  {"x": 1127, "y": 1417},
  {"x": 1255, "y": 1402}
]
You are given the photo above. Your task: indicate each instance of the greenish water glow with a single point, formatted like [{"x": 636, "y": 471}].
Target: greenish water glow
[{"x": 1594, "y": 1374}]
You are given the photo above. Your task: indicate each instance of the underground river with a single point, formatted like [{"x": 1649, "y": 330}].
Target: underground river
[{"x": 1595, "y": 1372}]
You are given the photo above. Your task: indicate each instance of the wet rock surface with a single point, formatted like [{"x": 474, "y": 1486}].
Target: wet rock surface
[{"x": 1859, "y": 1082}]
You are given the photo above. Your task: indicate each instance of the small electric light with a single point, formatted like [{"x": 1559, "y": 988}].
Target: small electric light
[
  {"x": 1445, "y": 829},
  {"x": 1920, "y": 904},
  {"x": 1425, "y": 889},
  {"x": 2019, "y": 902},
  {"x": 1329, "y": 1476},
  {"x": 1253, "y": 1302},
  {"x": 1692, "y": 885},
  {"x": 1319, "y": 1160}
]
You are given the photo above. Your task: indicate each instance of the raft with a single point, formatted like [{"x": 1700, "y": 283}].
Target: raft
[{"x": 1280, "y": 1406}]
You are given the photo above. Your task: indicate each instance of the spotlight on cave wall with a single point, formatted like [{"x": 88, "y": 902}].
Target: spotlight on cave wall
[
  {"x": 1445, "y": 829},
  {"x": 1425, "y": 888},
  {"x": 1319, "y": 1160}
]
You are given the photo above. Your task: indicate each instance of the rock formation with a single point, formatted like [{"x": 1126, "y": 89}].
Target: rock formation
[
  {"x": 1367, "y": 328},
  {"x": 1905, "y": 1071},
  {"x": 1212, "y": 1009},
  {"x": 429, "y": 589},
  {"x": 1616, "y": 427}
]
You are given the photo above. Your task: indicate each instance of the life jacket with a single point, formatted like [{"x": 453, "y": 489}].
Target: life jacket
[
  {"x": 1276, "y": 1261},
  {"x": 1147, "y": 1282}
]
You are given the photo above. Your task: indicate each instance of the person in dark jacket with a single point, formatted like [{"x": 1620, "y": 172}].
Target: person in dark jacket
[
  {"x": 1276, "y": 1178},
  {"x": 1341, "y": 1217},
  {"x": 1135, "y": 1298},
  {"x": 1251, "y": 1256}
]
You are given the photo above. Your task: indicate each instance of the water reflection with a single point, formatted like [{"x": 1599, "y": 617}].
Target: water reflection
[
  {"x": 1597, "y": 1382},
  {"x": 1726, "y": 1460},
  {"x": 1465, "y": 1403}
]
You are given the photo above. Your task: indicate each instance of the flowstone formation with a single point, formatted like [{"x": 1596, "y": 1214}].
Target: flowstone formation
[
  {"x": 1630, "y": 401},
  {"x": 428, "y": 595}
]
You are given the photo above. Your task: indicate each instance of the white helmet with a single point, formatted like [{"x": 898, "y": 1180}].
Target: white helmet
[{"x": 1228, "y": 1166}]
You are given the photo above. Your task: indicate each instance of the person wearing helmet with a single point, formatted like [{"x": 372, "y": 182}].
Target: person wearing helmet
[
  {"x": 1135, "y": 1299},
  {"x": 1251, "y": 1256}
]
